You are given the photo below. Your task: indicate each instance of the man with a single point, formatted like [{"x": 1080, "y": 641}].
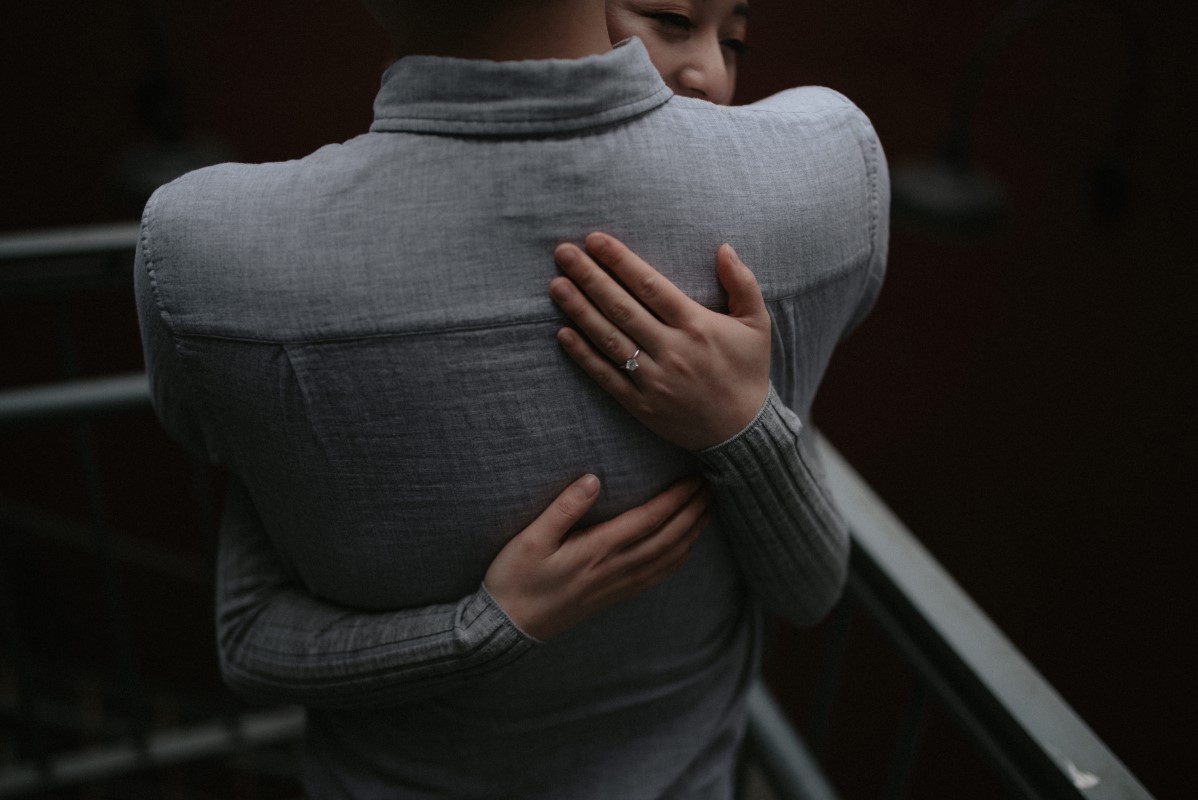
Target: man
[{"x": 364, "y": 337}]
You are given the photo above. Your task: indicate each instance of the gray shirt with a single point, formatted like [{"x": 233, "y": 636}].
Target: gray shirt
[{"x": 365, "y": 339}]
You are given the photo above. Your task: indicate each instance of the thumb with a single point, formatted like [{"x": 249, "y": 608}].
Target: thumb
[
  {"x": 744, "y": 294},
  {"x": 564, "y": 512}
]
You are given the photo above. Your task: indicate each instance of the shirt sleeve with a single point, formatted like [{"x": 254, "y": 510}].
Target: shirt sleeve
[
  {"x": 788, "y": 538},
  {"x": 174, "y": 398},
  {"x": 277, "y": 643}
]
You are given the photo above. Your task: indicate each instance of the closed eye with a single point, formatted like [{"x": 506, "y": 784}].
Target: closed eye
[
  {"x": 672, "y": 20},
  {"x": 738, "y": 46}
]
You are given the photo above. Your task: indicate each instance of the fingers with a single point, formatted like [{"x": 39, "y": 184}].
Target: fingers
[
  {"x": 564, "y": 512},
  {"x": 744, "y": 294},
  {"x": 650, "y": 286},
  {"x": 638, "y": 576},
  {"x": 664, "y": 539},
  {"x": 608, "y": 337},
  {"x": 609, "y": 376},
  {"x": 679, "y": 504},
  {"x": 604, "y": 309}
]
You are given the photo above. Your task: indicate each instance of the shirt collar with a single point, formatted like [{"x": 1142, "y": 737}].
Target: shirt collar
[{"x": 434, "y": 94}]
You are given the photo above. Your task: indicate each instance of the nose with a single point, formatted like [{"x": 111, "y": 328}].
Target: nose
[{"x": 704, "y": 74}]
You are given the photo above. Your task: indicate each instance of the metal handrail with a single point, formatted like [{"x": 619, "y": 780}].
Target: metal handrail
[
  {"x": 59, "y": 243},
  {"x": 171, "y": 746},
  {"x": 773, "y": 745},
  {"x": 1026, "y": 728},
  {"x": 75, "y": 399},
  {"x": 65, "y": 261}
]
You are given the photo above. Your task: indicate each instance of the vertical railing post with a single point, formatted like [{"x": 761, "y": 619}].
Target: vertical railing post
[
  {"x": 127, "y": 681},
  {"x": 30, "y": 739},
  {"x": 910, "y": 738},
  {"x": 830, "y": 676}
]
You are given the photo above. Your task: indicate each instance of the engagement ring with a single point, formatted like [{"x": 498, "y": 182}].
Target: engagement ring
[{"x": 630, "y": 365}]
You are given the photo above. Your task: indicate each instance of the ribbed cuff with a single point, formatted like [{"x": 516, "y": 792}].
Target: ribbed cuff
[
  {"x": 769, "y": 409},
  {"x": 491, "y": 607}
]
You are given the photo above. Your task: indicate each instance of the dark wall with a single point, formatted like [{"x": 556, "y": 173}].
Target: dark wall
[{"x": 1023, "y": 399}]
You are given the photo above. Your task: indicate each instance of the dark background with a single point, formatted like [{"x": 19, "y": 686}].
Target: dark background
[{"x": 1023, "y": 399}]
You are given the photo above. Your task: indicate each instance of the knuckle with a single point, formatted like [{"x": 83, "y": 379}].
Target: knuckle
[
  {"x": 649, "y": 286},
  {"x": 643, "y": 409},
  {"x": 601, "y": 377},
  {"x": 566, "y": 508},
  {"x": 621, "y": 312},
  {"x": 610, "y": 343},
  {"x": 676, "y": 362},
  {"x": 586, "y": 277},
  {"x": 699, "y": 336}
]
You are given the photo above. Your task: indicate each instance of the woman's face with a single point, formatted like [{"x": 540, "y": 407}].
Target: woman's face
[{"x": 694, "y": 44}]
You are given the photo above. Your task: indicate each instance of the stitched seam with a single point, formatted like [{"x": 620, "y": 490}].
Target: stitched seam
[
  {"x": 871, "y": 170},
  {"x": 435, "y": 331},
  {"x": 194, "y": 386}
]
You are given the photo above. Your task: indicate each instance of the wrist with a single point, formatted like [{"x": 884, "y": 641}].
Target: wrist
[
  {"x": 770, "y": 396},
  {"x": 493, "y": 602}
]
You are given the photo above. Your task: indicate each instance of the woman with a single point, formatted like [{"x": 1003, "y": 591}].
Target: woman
[{"x": 696, "y": 44}]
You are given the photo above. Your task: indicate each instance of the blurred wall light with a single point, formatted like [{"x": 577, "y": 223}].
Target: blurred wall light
[
  {"x": 169, "y": 146},
  {"x": 949, "y": 193}
]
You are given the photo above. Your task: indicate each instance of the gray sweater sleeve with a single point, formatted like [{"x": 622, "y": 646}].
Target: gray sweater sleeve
[
  {"x": 278, "y": 643},
  {"x": 789, "y": 540}
]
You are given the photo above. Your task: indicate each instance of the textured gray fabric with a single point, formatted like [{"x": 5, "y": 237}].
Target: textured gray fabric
[{"x": 365, "y": 338}]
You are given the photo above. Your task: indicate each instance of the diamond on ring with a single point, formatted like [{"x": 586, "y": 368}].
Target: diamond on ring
[{"x": 630, "y": 365}]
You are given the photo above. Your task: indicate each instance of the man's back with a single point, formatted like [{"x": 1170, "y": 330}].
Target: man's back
[{"x": 370, "y": 345}]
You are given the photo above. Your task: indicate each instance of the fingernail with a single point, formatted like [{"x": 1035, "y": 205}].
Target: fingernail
[
  {"x": 563, "y": 254},
  {"x": 598, "y": 242},
  {"x": 732, "y": 250},
  {"x": 560, "y": 289},
  {"x": 589, "y": 485},
  {"x": 565, "y": 336}
]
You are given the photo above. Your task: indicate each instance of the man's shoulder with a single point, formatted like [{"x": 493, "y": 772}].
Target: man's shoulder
[
  {"x": 224, "y": 186},
  {"x": 791, "y": 125},
  {"x": 218, "y": 235},
  {"x": 804, "y": 100},
  {"x": 800, "y": 105},
  {"x": 240, "y": 204}
]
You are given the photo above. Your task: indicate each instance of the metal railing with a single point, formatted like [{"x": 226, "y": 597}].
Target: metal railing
[
  {"x": 1022, "y": 726},
  {"x": 1037, "y": 746}
]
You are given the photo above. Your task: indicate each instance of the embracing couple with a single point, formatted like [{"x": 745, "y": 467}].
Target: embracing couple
[{"x": 508, "y": 493}]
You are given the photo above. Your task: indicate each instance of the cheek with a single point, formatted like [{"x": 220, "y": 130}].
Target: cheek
[
  {"x": 730, "y": 90},
  {"x": 665, "y": 57}
]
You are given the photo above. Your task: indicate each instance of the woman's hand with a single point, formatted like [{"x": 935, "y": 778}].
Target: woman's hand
[
  {"x": 700, "y": 376},
  {"x": 548, "y": 579}
]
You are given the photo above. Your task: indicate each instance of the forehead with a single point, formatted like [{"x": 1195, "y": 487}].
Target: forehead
[{"x": 729, "y": 8}]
